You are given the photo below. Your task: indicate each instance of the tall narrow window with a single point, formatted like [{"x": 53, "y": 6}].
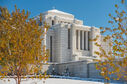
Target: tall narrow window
[
  {"x": 77, "y": 39},
  {"x": 52, "y": 22},
  {"x": 50, "y": 48},
  {"x": 80, "y": 40},
  {"x": 89, "y": 40},
  {"x": 68, "y": 38},
  {"x": 85, "y": 40}
]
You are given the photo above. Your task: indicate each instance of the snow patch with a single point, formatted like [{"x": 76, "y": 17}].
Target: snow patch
[
  {"x": 57, "y": 11},
  {"x": 58, "y": 80}
]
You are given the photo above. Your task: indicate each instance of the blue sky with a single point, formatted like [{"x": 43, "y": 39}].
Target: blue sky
[{"x": 92, "y": 12}]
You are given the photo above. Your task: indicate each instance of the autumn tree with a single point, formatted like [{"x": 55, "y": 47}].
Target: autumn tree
[
  {"x": 112, "y": 63},
  {"x": 21, "y": 51}
]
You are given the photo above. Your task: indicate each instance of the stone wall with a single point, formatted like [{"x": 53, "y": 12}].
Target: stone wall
[
  {"x": 78, "y": 69},
  {"x": 93, "y": 72},
  {"x": 82, "y": 69}
]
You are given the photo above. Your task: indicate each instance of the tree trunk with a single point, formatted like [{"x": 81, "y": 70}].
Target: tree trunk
[{"x": 18, "y": 80}]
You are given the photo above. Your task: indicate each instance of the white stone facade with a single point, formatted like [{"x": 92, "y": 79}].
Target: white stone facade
[{"x": 68, "y": 39}]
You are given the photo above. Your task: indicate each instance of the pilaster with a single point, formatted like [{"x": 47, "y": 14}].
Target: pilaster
[{"x": 86, "y": 40}]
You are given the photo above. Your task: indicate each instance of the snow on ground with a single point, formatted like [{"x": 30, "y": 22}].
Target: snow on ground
[
  {"x": 59, "y": 80},
  {"x": 52, "y": 81}
]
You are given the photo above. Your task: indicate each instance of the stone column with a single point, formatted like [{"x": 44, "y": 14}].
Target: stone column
[
  {"x": 73, "y": 38},
  {"x": 45, "y": 37},
  {"x": 92, "y": 36},
  {"x": 56, "y": 20},
  {"x": 44, "y": 42},
  {"x": 78, "y": 39},
  {"x": 83, "y": 40},
  {"x": 86, "y": 40},
  {"x": 73, "y": 42}
]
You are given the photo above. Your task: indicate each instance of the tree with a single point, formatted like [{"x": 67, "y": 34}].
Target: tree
[
  {"x": 113, "y": 64},
  {"x": 21, "y": 51}
]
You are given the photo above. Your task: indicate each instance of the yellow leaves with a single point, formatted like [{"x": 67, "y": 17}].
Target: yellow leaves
[
  {"x": 20, "y": 43},
  {"x": 106, "y": 38},
  {"x": 110, "y": 44},
  {"x": 102, "y": 73},
  {"x": 110, "y": 22},
  {"x": 125, "y": 33},
  {"x": 125, "y": 77},
  {"x": 109, "y": 29},
  {"x": 1, "y": 73},
  {"x": 120, "y": 20},
  {"x": 122, "y": 1},
  {"x": 101, "y": 28},
  {"x": 122, "y": 54},
  {"x": 123, "y": 11},
  {"x": 41, "y": 18},
  {"x": 113, "y": 72},
  {"x": 119, "y": 43},
  {"x": 97, "y": 44},
  {"x": 116, "y": 39},
  {"x": 97, "y": 67},
  {"x": 104, "y": 63},
  {"x": 116, "y": 5},
  {"x": 121, "y": 15},
  {"x": 95, "y": 39},
  {"x": 123, "y": 30},
  {"x": 117, "y": 78},
  {"x": 36, "y": 70},
  {"x": 97, "y": 53},
  {"x": 110, "y": 14},
  {"x": 45, "y": 75},
  {"x": 107, "y": 78},
  {"x": 103, "y": 31},
  {"x": 117, "y": 69}
]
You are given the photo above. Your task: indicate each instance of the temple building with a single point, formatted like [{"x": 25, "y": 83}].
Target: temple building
[{"x": 68, "y": 39}]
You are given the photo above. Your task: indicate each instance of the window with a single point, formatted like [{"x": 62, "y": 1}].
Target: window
[
  {"x": 50, "y": 48},
  {"x": 68, "y": 38},
  {"x": 80, "y": 40},
  {"x": 77, "y": 39},
  {"x": 89, "y": 40},
  {"x": 52, "y": 22},
  {"x": 84, "y": 40}
]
